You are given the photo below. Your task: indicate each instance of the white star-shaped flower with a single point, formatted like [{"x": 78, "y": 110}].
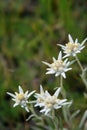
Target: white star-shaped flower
[
  {"x": 58, "y": 67},
  {"x": 48, "y": 102},
  {"x": 21, "y": 98},
  {"x": 73, "y": 47}
]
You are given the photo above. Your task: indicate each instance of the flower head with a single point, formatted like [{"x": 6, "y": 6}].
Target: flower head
[
  {"x": 48, "y": 102},
  {"x": 21, "y": 98},
  {"x": 72, "y": 48},
  {"x": 58, "y": 67}
]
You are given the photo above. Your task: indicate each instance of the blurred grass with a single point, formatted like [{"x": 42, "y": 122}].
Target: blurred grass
[{"x": 29, "y": 32}]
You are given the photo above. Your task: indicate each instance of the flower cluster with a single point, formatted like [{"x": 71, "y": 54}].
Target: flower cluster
[
  {"x": 43, "y": 100},
  {"x": 58, "y": 67},
  {"x": 48, "y": 102}
]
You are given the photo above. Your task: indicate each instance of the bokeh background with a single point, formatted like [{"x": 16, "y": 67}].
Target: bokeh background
[{"x": 29, "y": 33}]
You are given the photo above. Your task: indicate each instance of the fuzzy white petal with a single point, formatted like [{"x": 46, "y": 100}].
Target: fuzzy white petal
[
  {"x": 54, "y": 59},
  {"x": 46, "y": 63},
  {"x": 76, "y": 41},
  {"x": 20, "y": 89},
  {"x": 41, "y": 89},
  {"x": 60, "y": 55},
  {"x": 50, "y": 72},
  {"x": 63, "y": 74},
  {"x": 70, "y": 39},
  {"x": 57, "y": 92},
  {"x": 30, "y": 93},
  {"x": 12, "y": 95},
  {"x": 57, "y": 74},
  {"x": 16, "y": 104},
  {"x": 83, "y": 41}
]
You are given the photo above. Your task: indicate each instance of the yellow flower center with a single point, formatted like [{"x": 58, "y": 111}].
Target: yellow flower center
[
  {"x": 71, "y": 47},
  {"x": 20, "y": 96},
  {"x": 57, "y": 65},
  {"x": 49, "y": 105},
  {"x": 51, "y": 101},
  {"x": 40, "y": 100}
]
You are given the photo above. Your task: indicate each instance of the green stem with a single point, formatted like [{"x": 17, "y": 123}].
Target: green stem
[
  {"x": 61, "y": 81},
  {"x": 66, "y": 111},
  {"x": 84, "y": 79},
  {"x": 54, "y": 120},
  {"x": 83, "y": 72},
  {"x": 63, "y": 92},
  {"x": 53, "y": 113},
  {"x": 33, "y": 112},
  {"x": 81, "y": 67}
]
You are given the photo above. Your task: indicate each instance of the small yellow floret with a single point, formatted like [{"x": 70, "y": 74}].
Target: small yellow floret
[
  {"x": 20, "y": 96},
  {"x": 57, "y": 64},
  {"x": 71, "y": 47}
]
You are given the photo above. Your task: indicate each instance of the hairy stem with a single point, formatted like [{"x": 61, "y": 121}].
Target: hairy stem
[
  {"x": 81, "y": 67},
  {"x": 63, "y": 92},
  {"x": 83, "y": 75}
]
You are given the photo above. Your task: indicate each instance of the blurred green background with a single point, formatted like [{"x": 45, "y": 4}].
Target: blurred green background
[{"x": 29, "y": 33}]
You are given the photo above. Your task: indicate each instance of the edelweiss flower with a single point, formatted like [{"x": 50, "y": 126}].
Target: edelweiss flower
[
  {"x": 48, "y": 102},
  {"x": 21, "y": 98},
  {"x": 58, "y": 67},
  {"x": 72, "y": 48}
]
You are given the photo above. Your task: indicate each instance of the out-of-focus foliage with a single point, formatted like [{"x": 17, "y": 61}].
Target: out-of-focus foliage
[{"x": 29, "y": 32}]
